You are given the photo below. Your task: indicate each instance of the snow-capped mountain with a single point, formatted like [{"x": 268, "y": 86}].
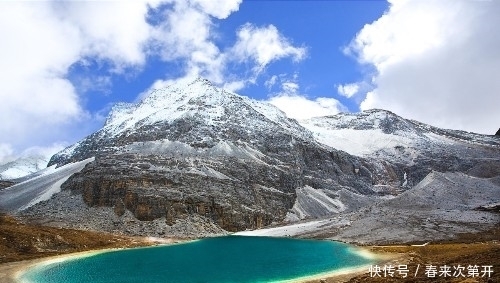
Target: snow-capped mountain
[
  {"x": 412, "y": 146},
  {"x": 192, "y": 158},
  {"x": 197, "y": 114},
  {"x": 236, "y": 161},
  {"x": 23, "y": 166},
  {"x": 377, "y": 132}
]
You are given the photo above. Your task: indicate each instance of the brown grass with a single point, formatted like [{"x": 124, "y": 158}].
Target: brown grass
[{"x": 19, "y": 241}]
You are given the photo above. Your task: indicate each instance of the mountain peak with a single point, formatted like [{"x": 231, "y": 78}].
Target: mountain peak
[
  {"x": 168, "y": 103},
  {"x": 184, "y": 91},
  {"x": 188, "y": 101},
  {"x": 201, "y": 81},
  {"x": 195, "y": 113}
]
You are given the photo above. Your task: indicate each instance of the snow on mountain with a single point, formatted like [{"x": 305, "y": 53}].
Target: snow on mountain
[
  {"x": 204, "y": 114},
  {"x": 378, "y": 132},
  {"x": 199, "y": 97},
  {"x": 39, "y": 188},
  {"x": 357, "y": 142},
  {"x": 23, "y": 166},
  {"x": 364, "y": 133}
]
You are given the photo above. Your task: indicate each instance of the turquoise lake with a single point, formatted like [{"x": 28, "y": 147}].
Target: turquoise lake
[{"x": 212, "y": 260}]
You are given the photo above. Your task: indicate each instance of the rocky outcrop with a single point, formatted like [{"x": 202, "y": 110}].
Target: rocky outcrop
[{"x": 6, "y": 184}]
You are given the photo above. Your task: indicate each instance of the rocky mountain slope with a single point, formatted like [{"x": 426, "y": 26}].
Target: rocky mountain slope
[
  {"x": 196, "y": 151},
  {"x": 414, "y": 147},
  {"x": 192, "y": 159}
]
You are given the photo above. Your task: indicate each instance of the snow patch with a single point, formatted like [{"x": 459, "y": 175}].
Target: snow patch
[
  {"x": 289, "y": 230},
  {"x": 273, "y": 190},
  {"x": 23, "y": 166},
  {"x": 210, "y": 172},
  {"x": 356, "y": 142},
  {"x": 39, "y": 188}
]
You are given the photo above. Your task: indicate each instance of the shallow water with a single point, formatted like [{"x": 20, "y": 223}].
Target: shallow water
[{"x": 221, "y": 260}]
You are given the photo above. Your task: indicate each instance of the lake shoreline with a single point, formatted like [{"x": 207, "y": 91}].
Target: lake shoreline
[
  {"x": 388, "y": 254},
  {"x": 12, "y": 271},
  {"x": 483, "y": 246}
]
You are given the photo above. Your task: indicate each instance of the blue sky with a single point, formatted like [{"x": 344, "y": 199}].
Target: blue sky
[
  {"x": 324, "y": 67},
  {"x": 64, "y": 64}
]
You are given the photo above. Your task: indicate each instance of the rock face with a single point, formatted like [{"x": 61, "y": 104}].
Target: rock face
[
  {"x": 498, "y": 132},
  {"x": 197, "y": 156}
]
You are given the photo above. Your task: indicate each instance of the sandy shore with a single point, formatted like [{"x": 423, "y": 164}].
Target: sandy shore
[
  {"x": 285, "y": 231},
  {"x": 345, "y": 274},
  {"x": 9, "y": 271}
]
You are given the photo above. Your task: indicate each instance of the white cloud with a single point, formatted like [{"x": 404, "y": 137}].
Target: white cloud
[
  {"x": 185, "y": 30},
  {"x": 89, "y": 82},
  {"x": 264, "y": 45},
  {"x": 290, "y": 87},
  {"x": 286, "y": 83},
  {"x": 348, "y": 90},
  {"x": 187, "y": 34},
  {"x": 35, "y": 54},
  {"x": 109, "y": 30},
  {"x": 300, "y": 107},
  {"x": 436, "y": 62},
  {"x": 271, "y": 82},
  {"x": 46, "y": 152},
  {"x": 234, "y": 85},
  {"x": 219, "y": 9},
  {"x": 7, "y": 153},
  {"x": 40, "y": 42}
]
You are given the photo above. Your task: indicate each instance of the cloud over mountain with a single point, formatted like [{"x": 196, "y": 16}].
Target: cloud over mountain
[{"x": 435, "y": 61}]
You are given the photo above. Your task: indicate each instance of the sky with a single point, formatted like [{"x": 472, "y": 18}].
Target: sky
[{"x": 63, "y": 64}]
